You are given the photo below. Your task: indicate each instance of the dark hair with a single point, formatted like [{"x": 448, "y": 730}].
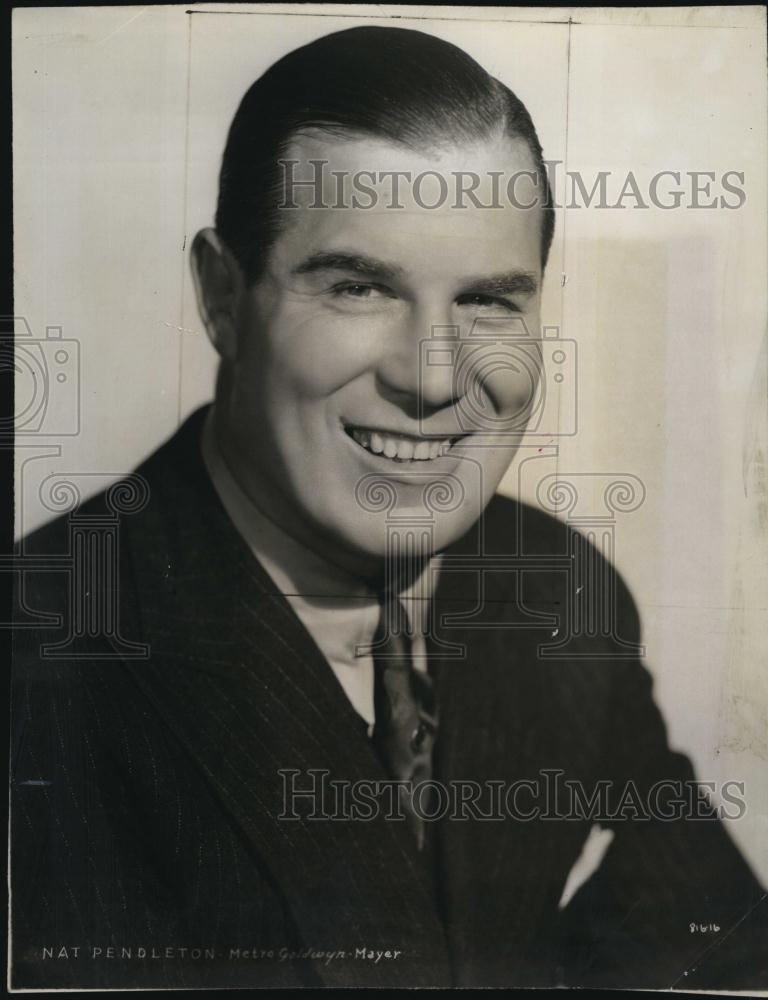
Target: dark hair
[{"x": 391, "y": 83}]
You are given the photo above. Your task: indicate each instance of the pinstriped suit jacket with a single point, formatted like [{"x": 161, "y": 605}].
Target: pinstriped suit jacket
[{"x": 147, "y": 793}]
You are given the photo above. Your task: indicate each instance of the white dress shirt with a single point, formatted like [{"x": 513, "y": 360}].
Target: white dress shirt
[{"x": 340, "y": 612}]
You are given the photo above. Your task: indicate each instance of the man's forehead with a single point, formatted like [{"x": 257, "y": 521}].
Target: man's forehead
[
  {"x": 445, "y": 174},
  {"x": 447, "y": 211},
  {"x": 381, "y": 153}
]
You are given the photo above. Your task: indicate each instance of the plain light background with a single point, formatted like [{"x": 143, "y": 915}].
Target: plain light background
[{"x": 120, "y": 117}]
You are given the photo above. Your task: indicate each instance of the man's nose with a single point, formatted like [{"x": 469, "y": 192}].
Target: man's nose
[{"x": 411, "y": 372}]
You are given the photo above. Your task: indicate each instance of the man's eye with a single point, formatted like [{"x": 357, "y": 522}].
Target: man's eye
[
  {"x": 357, "y": 291},
  {"x": 480, "y": 301}
]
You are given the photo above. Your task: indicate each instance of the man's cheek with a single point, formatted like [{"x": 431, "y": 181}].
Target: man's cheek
[
  {"x": 512, "y": 388},
  {"x": 522, "y": 386},
  {"x": 310, "y": 369}
]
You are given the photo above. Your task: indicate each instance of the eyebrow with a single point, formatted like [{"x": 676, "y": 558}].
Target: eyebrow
[
  {"x": 515, "y": 282},
  {"x": 509, "y": 283},
  {"x": 340, "y": 260}
]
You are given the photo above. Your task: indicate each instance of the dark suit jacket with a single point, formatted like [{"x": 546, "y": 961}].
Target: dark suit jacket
[{"x": 147, "y": 794}]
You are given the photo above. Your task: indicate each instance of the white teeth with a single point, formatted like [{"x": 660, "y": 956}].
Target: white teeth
[{"x": 399, "y": 448}]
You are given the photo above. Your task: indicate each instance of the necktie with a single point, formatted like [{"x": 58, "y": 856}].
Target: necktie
[{"x": 406, "y": 720}]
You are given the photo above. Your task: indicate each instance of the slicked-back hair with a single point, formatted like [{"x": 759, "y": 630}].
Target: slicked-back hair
[{"x": 394, "y": 84}]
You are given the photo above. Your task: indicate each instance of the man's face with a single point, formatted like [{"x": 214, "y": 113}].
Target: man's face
[{"x": 350, "y": 413}]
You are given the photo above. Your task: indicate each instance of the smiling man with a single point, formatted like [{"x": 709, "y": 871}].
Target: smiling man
[
  {"x": 345, "y": 759},
  {"x": 323, "y": 378}
]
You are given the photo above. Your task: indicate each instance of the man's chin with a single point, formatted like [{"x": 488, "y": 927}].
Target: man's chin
[{"x": 366, "y": 546}]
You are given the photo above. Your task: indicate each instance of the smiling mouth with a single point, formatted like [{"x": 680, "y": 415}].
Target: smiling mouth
[{"x": 401, "y": 447}]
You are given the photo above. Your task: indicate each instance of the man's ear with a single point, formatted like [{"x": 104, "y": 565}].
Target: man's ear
[{"x": 218, "y": 286}]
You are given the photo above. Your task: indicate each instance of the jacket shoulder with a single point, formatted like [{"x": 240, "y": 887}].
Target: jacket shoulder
[
  {"x": 560, "y": 565},
  {"x": 512, "y": 525}
]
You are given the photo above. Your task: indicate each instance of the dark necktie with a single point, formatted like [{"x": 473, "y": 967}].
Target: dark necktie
[{"x": 406, "y": 719}]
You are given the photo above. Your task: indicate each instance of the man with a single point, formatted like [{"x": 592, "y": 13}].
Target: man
[{"x": 343, "y": 624}]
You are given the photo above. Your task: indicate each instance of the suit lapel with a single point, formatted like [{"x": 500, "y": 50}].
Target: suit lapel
[{"x": 244, "y": 688}]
